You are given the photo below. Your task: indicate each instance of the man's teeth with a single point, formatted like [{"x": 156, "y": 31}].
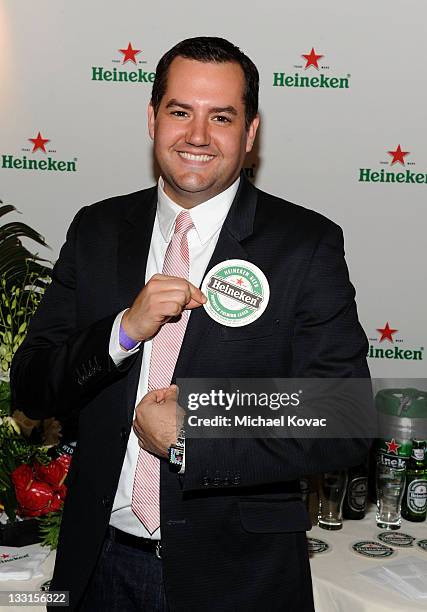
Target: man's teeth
[{"x": 203, "y": 158}]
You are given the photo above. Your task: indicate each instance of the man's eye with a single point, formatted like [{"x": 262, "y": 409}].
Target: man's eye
[
  {"x": 221, "y": 119},
  {"x": 179, "y": 113}
]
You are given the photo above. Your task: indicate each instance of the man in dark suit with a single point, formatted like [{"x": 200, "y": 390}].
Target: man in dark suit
[{"x": 231, "y": 531}]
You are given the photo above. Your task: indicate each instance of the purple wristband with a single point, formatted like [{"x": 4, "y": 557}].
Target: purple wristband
[{"x": 126, "y": 342}]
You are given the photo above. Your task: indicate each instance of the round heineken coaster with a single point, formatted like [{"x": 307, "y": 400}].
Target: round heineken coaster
[
  {"x": 237, "y": 292},
  {"x": 422, "y": 544},
  {"x": 396, "y": 538},
  {"x": 45, "y": 586},
  {"x": 316, "y": 546},
  {"x": 372, "y": 549}
]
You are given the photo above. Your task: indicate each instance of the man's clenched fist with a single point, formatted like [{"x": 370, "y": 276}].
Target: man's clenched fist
[
  {"x": 162, "y": 298},
  {"x": 158, "y": 419}
]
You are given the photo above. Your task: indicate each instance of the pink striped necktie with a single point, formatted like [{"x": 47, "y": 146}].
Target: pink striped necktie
[{"x": 164, "y": 354}]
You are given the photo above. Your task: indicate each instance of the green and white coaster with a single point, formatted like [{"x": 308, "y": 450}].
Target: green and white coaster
[
  {"x": 396, "y": 538},
  {"x": 422, "y": 544},
  {"x": 45, "y": 586},
  {"x": 237, "y": 292},
  {"x": 317, "y": 546},
  {"x": 372, "y": 549}
]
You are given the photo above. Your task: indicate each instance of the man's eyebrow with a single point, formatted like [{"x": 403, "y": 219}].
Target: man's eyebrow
[
  {"x": 175, "y": 102},
  {"x": 214, "y": 109},
  {"x": 224, "y": 109}
]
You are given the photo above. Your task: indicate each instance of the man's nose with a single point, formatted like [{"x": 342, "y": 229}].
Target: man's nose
[{"x": 198, "y": 132}]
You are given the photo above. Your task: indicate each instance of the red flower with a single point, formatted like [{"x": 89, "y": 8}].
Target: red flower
[
  {"x": 55, "y": 505},
  {"x": 35, "y": 500},
  {"x": 62, "y": 491},
  {"x": 22, "y": 477},
  {"x": 65, "y": 459},
  {"x": 54, "y": 473}
]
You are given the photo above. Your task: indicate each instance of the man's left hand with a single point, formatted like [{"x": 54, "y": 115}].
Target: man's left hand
[{"x": 158, "y": 419}]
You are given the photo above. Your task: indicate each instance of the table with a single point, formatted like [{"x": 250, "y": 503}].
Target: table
[{"x": 336, "y": 584}]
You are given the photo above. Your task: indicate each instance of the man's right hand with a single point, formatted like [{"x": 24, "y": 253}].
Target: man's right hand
[{"x": 162, "y": 298}]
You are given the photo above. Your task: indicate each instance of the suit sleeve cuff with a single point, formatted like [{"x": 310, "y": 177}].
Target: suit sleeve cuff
[{"x": 117, "y": 353}]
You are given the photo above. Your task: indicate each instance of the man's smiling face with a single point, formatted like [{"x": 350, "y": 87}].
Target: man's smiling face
[{"x": 199, "y": 133}]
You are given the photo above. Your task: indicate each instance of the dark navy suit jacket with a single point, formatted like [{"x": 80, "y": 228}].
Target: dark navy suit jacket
[{"x": 233, "y": 527}]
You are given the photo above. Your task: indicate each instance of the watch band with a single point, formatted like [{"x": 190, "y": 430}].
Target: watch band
[{"x": 176, "y": 452}]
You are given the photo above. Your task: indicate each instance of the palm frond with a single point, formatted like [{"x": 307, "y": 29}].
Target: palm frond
[
  {"x": 17, "y": 229},
  {"x": 16, "y": 261}
]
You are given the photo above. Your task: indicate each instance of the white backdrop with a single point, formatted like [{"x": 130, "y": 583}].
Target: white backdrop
[{"x": 313, "y": 143}]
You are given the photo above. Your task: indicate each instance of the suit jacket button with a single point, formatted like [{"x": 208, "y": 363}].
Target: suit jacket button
[
  {"x": 124, "y": 434},
  {"x": 217, "y": 480}
]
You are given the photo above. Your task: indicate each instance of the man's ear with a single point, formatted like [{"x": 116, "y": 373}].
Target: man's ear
[
  {"x": 250, "y": 138},
  {"x": 151, "y": 120}
]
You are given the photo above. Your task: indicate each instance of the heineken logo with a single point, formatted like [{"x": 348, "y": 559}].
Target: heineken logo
[
  {"x": 38, "y": 156},
  {"x": 416, "y": 496},
  {"x": 319, "y": 80},
  {"x": 129, "y": 54},
  {"x": 397, "y": 170},
  {"x": 393, "y": 446},
  {"x": 385, "y": 346},
  {"x": 356, "y": 496},
  {"x": 240, "y": 295},
  {"x": 392, "y": 461},
  {"x": 237, "y": 292},
  {"x": 372, "y": 549},
  {"x": 402, "y": 540},
  {"x": 128, "y": 70},
  {"x": 9, "y": 558},
  {"x": 422, "y": 544},
  {"x": 39, "y": 143},
  {"x": 317, "y": 546},
  {"x": 393, "y": 453}
]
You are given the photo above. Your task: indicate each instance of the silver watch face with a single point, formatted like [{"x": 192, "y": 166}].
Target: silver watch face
[{"x": 176, "y": 456}]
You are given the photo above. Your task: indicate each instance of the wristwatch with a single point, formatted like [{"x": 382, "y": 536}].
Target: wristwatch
[{"x": 176, "y": 452}]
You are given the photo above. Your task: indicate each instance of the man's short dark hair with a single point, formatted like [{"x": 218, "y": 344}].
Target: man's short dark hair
[{"x": 210, "y": 49}]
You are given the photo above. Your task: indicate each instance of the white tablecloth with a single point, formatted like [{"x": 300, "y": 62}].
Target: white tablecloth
[{"x": 336, "y": 583}]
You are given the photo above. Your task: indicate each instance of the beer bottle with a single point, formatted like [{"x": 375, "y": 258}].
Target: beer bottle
[
  {"x": 355, "y": 499},
  {"x": 414, "y": 504}
]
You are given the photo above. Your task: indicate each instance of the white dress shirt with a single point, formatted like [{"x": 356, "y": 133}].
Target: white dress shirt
[{"x": 207, "y": 218}]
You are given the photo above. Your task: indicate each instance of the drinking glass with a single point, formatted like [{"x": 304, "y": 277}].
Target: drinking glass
[
  {"x": 390, "y": 484},
  {"x": 331, "y": 497}
]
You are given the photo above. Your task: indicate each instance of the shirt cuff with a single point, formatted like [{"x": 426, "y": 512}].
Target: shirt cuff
[{"x": 117, "y": 353}]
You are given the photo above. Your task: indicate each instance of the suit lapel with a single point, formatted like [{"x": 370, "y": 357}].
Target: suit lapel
[
  {"x": 134, "y": 242},
  {"x": 237, "y": 226},
  {"x": 135, "y": 233}
]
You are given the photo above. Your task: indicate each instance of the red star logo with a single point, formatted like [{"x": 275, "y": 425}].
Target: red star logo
[
  {"x": 4, "y": 556},
  {"x": 39, "y": 142},
  {"x": 392, "y": 446},
  {"x": 386, "y": 332},
  {"x": 312, "y": 59},
  {"x": 239, "y": 281},
  {"x": 398, "y": 155},
  {"x": 129, "y": 54}
]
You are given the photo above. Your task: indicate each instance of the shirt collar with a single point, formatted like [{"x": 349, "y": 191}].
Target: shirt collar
[{"x": 207, "y": 217}]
